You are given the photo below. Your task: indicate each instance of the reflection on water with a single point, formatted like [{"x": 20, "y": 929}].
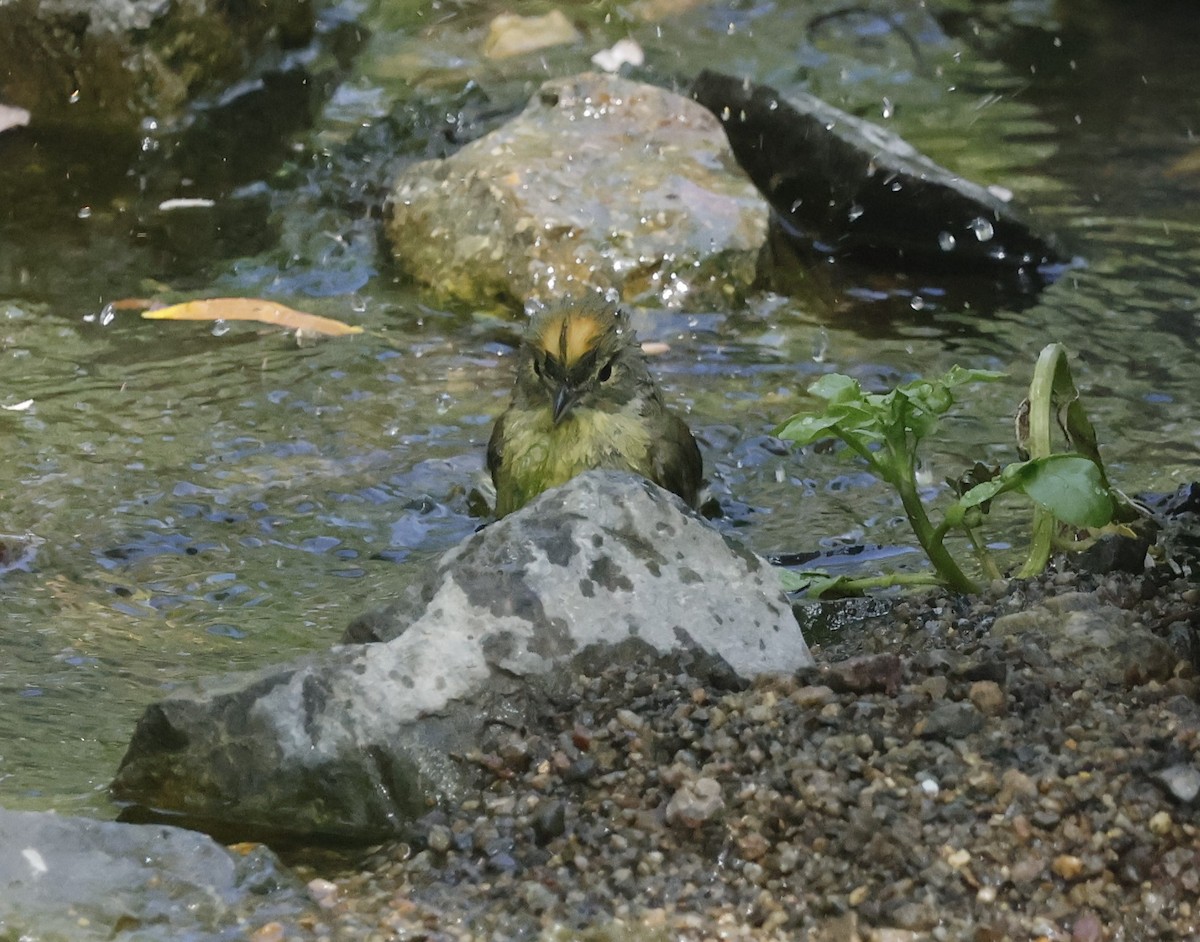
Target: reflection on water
[{"x": 220, "y": 500}]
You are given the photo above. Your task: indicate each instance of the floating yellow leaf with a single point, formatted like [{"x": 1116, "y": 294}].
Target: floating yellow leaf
[{"x": 252, "y": 309}]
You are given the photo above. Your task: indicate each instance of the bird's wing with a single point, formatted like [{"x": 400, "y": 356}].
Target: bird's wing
[
  {"x": 495, "y": 449},
  {"x": 677, "y": 463}
]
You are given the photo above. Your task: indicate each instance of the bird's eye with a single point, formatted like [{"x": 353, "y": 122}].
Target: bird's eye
[{"x": 605, "y": 373}]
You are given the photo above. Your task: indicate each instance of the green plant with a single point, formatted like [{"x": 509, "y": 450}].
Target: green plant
[{"x": 1068, "y": 489}]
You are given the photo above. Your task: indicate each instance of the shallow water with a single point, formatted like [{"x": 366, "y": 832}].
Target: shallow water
[{"x": 221, "y": 498}]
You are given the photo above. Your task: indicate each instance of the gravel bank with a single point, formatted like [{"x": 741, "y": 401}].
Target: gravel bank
[{"x": 951, "y": 782}]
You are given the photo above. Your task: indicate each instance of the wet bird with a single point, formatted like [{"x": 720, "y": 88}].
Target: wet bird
[{"x": 584, "y": 398}]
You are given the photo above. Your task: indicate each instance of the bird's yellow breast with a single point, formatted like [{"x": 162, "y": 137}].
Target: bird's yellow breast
[{"x": 539, "y": 454}]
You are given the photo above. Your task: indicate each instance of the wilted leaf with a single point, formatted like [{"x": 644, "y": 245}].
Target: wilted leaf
[{"x": 252, "y": 309}]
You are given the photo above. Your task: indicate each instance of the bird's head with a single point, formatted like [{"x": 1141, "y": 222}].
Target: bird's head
[{"x": 580, "y": 354}]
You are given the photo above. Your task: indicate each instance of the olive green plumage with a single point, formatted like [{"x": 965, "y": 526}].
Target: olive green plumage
[{"x": 584, "y": 398}]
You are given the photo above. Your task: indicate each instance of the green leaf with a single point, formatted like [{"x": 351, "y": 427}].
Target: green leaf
[
  {"x": 957, "y": 376},
  {"x": 815, "y": 583},
  {"x": 1070, "y": 487},
  {"x": 804, "y": 429},
  {"x": 982, "y": 493},
  {"x": 836, "y": 387}
]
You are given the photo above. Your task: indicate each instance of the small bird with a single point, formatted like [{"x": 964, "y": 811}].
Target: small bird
[{"x": 584, "y": 398}]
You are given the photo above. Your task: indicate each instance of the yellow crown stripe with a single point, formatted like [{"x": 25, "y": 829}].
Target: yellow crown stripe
[{"x": 571, "y": 336}]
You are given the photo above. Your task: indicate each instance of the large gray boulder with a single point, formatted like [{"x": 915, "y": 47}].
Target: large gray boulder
[
  {"x": 355, "y": 742},
  {"x": 601, "y": 182},
  {"x": 79, "y": 879}
]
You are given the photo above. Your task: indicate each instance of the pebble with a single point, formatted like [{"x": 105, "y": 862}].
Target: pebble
[
  {"x": 695, "y": 803},
  {"x": 1182, "y": 781},
  {"x": 972, "y": 787},
  {"x": 988, "y": 697},
  {"x": 950, "y": 721}
]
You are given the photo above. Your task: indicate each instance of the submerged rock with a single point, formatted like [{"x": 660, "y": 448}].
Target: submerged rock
[
  {"x": 79, "y": 879},
  {"x": 114, "y": 62},
  {"x": 600, "y": 182},
  {"x": 356, "y": 742}
]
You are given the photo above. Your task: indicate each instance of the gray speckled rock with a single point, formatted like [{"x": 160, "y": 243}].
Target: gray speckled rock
[
  {"x": 1097, "y": 638},
  {"x": 600, "y": 182},
  {"x": 79, "y": 879},
  {"x": 355, "y": 742}
]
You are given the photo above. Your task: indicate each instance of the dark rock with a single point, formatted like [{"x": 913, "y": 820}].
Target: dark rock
[
  {"x": 79, "y": 879},
  {"x": 950, "y": 721},
  {"x": 870, "y": 672},
  {"x": 600, "y": 182},
  {"x": 549, "y": 821},
  {"x": 838, "y": 180},
  {"x": 356, "y": 742}
]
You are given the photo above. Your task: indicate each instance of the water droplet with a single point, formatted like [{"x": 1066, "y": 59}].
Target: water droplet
[
  {"x": 73, "y": 98},
  {"x": 888, "y": 108},
  {"x": 220, "y": 328},
  {"x": 108, "y": 314},
  {"x": 982, "y": 228},
  {"x": 946, "y": 241},
  {"x": 820, "y": 347},
  {"x": 917, "y": 303},
  {"x": 85, "y": 212},
  {"x": 725, "y": 113},
  {"x": 772, "y": 105}
]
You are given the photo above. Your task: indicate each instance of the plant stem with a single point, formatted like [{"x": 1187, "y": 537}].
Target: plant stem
[
  {"x": 990, "y": 569},
  {"x": 887, "y": 581},
  {"x": 905, "y": 481},
  {"x": 1042, "y": 410}
]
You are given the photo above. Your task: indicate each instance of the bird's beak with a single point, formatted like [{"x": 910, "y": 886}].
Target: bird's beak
[{"x": 564, "y": 398}]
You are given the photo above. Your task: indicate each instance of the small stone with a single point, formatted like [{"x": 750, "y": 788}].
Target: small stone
[
  {"x": 865, "y": 674},
  {"x": 1087, "y": 928},
  {"x": 1027, "y": 869},
  {"x": 1160, "y": 824},
  {"x": 537, "y": 897},
  {"x": 510, "y": 34},
  {"x": 1067, "y": 866},
  {"x": 988, "y": 697},
  {"x": 439, "y": 838},
  {"x": 950, "y": 721},
  {"x": 1181, "y": 781},
  {"x": 323, "y": 892},
  {"x": 549, "y": 821},
  {"x": 958, "y": 859},
  {"x": 695, "y": 803},
  {"x": 269, "y": 932},
  {"x": 629, "y": 720},
  {"x": 814, "y": 695}
]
